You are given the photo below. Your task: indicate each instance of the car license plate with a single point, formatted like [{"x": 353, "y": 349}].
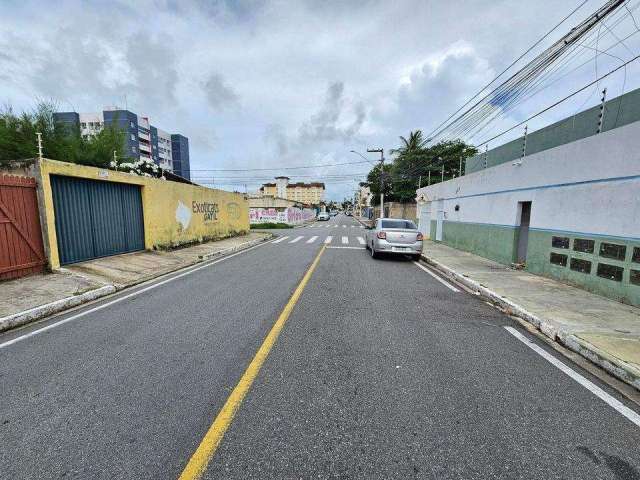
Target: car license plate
[{"x": 400, "y": 249}]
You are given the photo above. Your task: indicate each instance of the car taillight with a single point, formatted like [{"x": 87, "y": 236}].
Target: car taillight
[
  {"x": 382, "y": 235},
  {"x": 419, "y": 237}
]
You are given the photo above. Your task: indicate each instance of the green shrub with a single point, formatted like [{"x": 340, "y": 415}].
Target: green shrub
[{"x": 262, "y": 226}]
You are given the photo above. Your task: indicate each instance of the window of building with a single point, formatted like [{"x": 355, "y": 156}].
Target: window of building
[
  {"x": 636, "y": 255},
  {"x": 612, "y": 250},
  {"x": 133, "y": 137},
  {"x": 133, "y": 149},
  {"x": 83, "y": 125},
  {"x": 610, "y": 272},
  {"x": 583, "y": 245},
  {"x": 560, "y": 242},
  {"x": 582, "y": 266},
  {"x": 634, "y": 277},
  {"x": 558, "y": 259}
]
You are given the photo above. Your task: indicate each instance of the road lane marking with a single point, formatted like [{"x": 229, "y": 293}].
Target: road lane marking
[
  {"x": 281, "y": 239},
  {"x": 344, "y": 226},
  {"x": 124, "y": 297},
  {"x": 346, "y": 248},
  {"x": 199, "y": 461},
  {"x": 597, "y": 391},
  {"x": 361, "y": 240},
  {"x": 361, "y": 226},
  {"x": 312, "y": 239},
  {"x": 297, "y": 239},
  {"x": 446, "y": 284},
  {"x": 345, "y": 240},
  {"x": 328, "y": 239}
]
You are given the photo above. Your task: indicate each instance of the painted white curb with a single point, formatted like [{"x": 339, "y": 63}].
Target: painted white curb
[
  {"x": 612, "y": 365},
  {"x": 42, "y": 311}
]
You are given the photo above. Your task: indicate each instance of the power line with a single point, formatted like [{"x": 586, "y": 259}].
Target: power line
[
  {"x": 560, "y": 101},
  {"x": 273, "y": 168},
  {"x": 509, "y": 67}
]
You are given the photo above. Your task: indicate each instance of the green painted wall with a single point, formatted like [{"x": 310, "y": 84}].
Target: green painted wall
[
  {"x": 619, "y": 111},
  {"x": 538, "y": 261},
  {"x": 494, "y": 242},
  {"x": 499, "y": 243}
]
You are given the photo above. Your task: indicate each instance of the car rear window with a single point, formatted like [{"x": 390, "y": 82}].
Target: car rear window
[{"x": 406, "y": 224}]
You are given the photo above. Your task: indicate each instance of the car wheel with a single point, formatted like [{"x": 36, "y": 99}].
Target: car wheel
[
  {"x": 416, "y": 257},
  {"x": 373, "y": 252}
]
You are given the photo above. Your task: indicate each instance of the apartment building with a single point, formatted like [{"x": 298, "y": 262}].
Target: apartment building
[
  {"x": 305, "y": 193},
  {"x": 142, "y": 140}
]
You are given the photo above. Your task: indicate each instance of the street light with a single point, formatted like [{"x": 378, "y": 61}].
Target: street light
[{"x": 381, "y": 152}]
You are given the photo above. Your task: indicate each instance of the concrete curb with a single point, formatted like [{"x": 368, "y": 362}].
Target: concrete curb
[
  {"x": 33, "y": 314},
  {"x": 237, "y": 248},
  {"x": 612, "y": 365}
]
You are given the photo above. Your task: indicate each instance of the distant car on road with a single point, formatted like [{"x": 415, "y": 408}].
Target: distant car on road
[
  {"x": 333, "y": 213},
  {"x": 349, "y": 213},
  {"x": 323, "y": 217},
  {"x": 394, "y": 235}
]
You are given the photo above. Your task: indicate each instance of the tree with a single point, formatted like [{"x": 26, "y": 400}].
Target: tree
[
  {"x": 413, "y": 162},
  {"x": 18, "y": 139},
  {"x": 373, "y": 182}
]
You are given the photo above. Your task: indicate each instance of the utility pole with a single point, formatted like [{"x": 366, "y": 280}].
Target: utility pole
[
  {"x": 601, "y": 115},
  {"x": 524, "y": 142},
  {"x": 419, "y": 181},
  {"x": 381, "y": 152},
  {"x": 115, "y": 159},
  {"x": 39, "y": 135},
  {"x": 460, "y": 167},
  {"x": 429, "y": 181},
  {"x": 442, "y": 174}
]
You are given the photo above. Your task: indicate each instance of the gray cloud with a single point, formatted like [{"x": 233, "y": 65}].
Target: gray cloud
[
  {"x": 280, "y": 61},
  {"x": 325, "y": 126},
  {"x": 219, "y": 95}
]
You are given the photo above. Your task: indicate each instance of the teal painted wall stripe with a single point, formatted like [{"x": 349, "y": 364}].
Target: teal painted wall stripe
[
  {"x": 544, "y": 187},
  {"x": 550, "y": 230}
]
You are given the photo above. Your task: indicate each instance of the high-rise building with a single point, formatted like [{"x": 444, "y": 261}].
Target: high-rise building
[{"x": 142, "y": 140}]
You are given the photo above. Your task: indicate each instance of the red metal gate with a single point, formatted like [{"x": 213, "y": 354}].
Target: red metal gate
[{"x": 21, "y": 250}]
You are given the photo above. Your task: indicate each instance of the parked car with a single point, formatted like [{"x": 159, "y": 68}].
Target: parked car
[
  {"x": 323, "y": 217},
  {"x": 396, "y": 236}
]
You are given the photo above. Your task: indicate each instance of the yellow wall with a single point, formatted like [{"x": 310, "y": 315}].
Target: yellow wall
[{"x": 163, "y": 204}]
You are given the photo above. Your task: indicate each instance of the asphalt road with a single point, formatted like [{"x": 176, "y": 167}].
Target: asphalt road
[{"x": 381, "y": 371}]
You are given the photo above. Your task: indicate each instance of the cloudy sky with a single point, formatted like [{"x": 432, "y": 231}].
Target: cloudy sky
[{"x": 262, "y": 84}]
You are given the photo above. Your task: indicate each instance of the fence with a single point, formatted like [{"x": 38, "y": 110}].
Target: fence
[{"x": 21, "y": 248}]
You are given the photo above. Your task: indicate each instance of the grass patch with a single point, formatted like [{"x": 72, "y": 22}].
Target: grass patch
[{"x": 262, "y": 226}]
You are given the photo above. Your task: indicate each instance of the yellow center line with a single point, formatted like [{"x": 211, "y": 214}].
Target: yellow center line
[{"x": 209, "y": 444}]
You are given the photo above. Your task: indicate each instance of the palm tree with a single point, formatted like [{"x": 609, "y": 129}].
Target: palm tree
[{"x": 413, "y": 145}]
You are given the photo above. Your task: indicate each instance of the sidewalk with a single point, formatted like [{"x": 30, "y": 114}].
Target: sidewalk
[
  {"x": 602, "y": 330},
  {"x": 37, "y": 296}
]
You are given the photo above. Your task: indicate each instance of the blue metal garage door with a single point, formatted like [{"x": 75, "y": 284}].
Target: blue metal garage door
[{"x": 96, "y": 219}]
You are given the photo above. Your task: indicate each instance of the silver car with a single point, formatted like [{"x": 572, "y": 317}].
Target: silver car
[{"x": 394, "y": 235}]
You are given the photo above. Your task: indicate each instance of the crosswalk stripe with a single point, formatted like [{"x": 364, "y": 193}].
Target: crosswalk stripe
[
  {"x": 312, "y": 239},
  {"x": 281, "y": 239},
  {"x": 361, "y": 226},
  {"x": 361, "y": 240},
  {"x": 345, "y": 239},
  {"x": 296, "y": 239},
  {"x": 344, "y": 226},
  {"x": 328, "y": 239}
]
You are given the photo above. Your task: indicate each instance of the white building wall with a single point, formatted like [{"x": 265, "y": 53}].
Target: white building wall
[
  {"x": 588, "y": 186},
  {"x": 164, "y": 149},
  {"x": 91, "y": 123}
]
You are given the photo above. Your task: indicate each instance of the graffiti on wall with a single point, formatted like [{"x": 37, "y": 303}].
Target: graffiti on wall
[{"x": 291, "y": 215}]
